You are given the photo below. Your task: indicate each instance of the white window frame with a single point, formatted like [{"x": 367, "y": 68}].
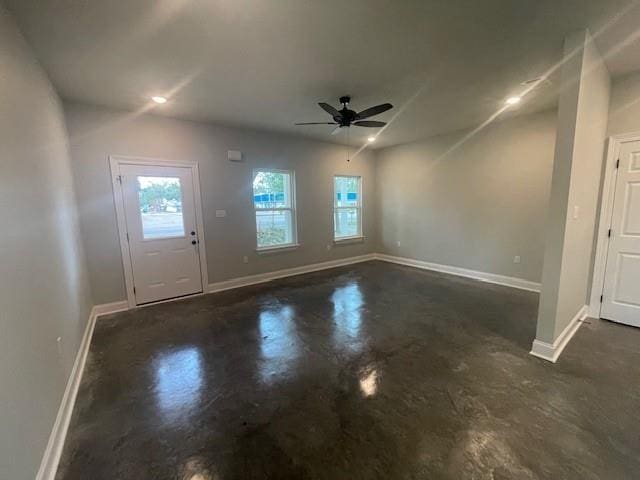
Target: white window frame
[
  {"x": 291, "y": 208},
  {"x": 359, "y": 207}
]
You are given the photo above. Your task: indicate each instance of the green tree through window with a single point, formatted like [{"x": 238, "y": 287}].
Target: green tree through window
[
  {"x": 155, "y": 195},
  {"x": 268, "y": 182}
]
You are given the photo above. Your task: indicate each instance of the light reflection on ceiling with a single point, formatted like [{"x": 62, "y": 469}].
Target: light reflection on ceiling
[{"x": 179, "y": 381}]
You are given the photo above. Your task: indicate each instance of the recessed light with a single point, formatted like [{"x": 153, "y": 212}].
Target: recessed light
[
  {"x": 371, "y": 139},
  {"x": 513, "y": 100},
  {"x": 159, "y": 99}
]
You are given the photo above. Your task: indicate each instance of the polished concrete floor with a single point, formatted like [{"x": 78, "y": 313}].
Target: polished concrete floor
[{"x": 374, "y": 371}]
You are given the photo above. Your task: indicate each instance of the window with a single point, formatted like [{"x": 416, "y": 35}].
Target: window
[
  {"x": 274, "y": 203},
  {"x": 160, "y": 200},
  {"x": 347, "y": 207}
]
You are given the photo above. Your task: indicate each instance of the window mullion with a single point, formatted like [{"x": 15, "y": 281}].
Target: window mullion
[{"x": 279, "y": 209}]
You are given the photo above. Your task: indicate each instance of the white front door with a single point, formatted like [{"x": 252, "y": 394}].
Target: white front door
[
  {"x": 621, "y": 296},
  {"x": 159, "y": 208}
]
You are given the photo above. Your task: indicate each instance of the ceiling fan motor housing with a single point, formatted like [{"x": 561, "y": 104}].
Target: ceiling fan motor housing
[{"x": 346, "y": 116}]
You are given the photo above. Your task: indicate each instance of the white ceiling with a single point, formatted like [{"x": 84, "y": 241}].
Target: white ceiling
[{"x": 264, "y": 64}]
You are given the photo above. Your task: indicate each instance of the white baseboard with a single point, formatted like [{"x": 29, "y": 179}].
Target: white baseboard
[
  {"x": 121, "y": 306},
  {"x": 53, "y": 451},
  {"x": 314, "y": 267},
  {"x": 551, "y": 351},
  {"x": 51, "y": 457},
  {"x": 113, "y": 307},
  {"x": 288, "y": 272},
  {"x": 463, "y": 272}
]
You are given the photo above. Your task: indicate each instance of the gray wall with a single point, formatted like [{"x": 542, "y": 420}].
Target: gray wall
[
  {"x": 582, "y": 124},
  {"x": 474, "y": 205},
  {"x": 43, "y": 283},
  {"x": 624, "y": 112},
  {"x": 97, "y": 133}
]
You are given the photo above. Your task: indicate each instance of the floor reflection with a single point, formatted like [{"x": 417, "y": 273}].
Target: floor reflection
[
  {"x": 347, "y": 316},
  {"x": 279, "y": 342},
  {"x": 179, "y": 379},
  {"x": 369, "y": 382},
  {"x": 196, "y": 469}
]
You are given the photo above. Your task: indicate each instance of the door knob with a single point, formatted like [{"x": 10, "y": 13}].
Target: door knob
[
  {"x": 193, "y": 242},
  {"x": 193, "y": 233}
]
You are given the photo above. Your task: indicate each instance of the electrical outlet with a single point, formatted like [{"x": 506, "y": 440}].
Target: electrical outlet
[
  {"x": 516, "y": 259},
  {"x": 245, "y": 259},
  {"x": 328, "y": 247},
  {"x": 398, "y": 243}
]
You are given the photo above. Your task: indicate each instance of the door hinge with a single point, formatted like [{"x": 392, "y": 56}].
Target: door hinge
[
  {"x": 127, "y": 236},
  {"x": 618, "y": 163},
  {"x": 119, "y": 179},
  {"x": 134, "y": 289},
  {"x": 601, "y": 298},
  {"x": 609, "y": 233}
]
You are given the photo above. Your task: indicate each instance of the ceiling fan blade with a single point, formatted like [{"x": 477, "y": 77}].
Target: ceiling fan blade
[
  {"x": 330, "y": 110},
  {"x": 370, "y": 123},
  {"x": 336, "y": 130},
  {"x": 316, "y": 123},
  {"x": 370, "y": 112}
]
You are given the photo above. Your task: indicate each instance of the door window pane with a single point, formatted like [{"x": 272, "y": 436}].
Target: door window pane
[
  {"x": 346, "y": 222},
  {"x": 273, "y": 227},
  {"x": 160, "y": 207}
]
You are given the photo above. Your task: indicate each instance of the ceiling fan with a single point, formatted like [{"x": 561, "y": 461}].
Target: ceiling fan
[{"x": 345, "y": 118}]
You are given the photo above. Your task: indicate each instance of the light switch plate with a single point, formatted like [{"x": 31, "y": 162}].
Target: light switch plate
[
  {"x": 221, "y": 213},
  {"x": 234, "y": 155}
]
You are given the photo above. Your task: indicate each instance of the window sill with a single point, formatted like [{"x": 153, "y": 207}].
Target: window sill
[
  {"x": 348, "y": 240},
  {"x": 277, "y": 248}
]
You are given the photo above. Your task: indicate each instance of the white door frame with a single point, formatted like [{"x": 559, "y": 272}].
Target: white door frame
[
  {"x": 118, "y": 196},
  {"x": 606, "y": 212}
]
